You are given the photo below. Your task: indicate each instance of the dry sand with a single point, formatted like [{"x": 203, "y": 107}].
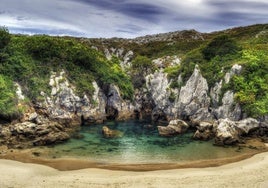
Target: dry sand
[{"x": 252, "y": 172}]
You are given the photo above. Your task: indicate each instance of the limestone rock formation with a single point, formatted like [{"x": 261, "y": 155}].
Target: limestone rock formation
[
  {"x": 94, "y": 111},
  {"x": 158, "y": 86},
  {"x": 27, "y": 134},
  {"x": 204, "y": 131},
  {"x": 174, "y": 127},
  {"x": 124, "y": 56},
  {"x": 215, "y": 93},
  {"x": 228, "y": 109},
  {"x": 116, "y": 107},
  {"x": 247, "y": 125},
  {"x": 194, "y": 96},
  {"x": 229, "y": 132},
  {"x": 166, "y": 61},
  {"x": 235, "y": 70},
  {"x": 143, "y": 104},
  {"x": 226, "y": 132}
]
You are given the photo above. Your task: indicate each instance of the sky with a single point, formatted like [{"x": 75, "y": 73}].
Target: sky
[{"x": 127, "y": 18}]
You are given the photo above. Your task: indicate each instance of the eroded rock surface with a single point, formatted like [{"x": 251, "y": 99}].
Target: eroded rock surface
[
  {"x": 174, "y": 127},
  {"x": 226, "y": 132},
  {"x": 194, "y": 96},
  {"x": 28, "y": 134},
  {"x": 204, "y": 131},
  {"x": 229, "y": 132}
]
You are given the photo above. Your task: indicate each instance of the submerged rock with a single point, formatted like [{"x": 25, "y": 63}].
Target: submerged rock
[
  {"x": 174, "y": 127},
  {"x": 148, "y": 126},
  {"x": 109, "y": 133}
]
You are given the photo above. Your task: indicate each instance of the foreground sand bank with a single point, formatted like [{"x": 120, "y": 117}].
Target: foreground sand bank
[{"x": 252, "y": 172}]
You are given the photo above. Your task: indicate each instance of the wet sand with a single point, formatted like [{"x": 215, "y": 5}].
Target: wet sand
[
  {"x": 67, "y": 164},
  {"x": 252, "y": 172}
]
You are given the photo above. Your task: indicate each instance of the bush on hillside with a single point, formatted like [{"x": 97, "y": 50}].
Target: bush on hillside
[
  {"x": 220, "y": 46},
  {"x": 4, "y": 37}
]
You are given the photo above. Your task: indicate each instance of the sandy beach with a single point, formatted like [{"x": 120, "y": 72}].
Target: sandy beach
[{"x": 252, "y": 172}]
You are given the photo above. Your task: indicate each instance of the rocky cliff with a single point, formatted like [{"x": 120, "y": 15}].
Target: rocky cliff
[{"x": 180, "y": 81}]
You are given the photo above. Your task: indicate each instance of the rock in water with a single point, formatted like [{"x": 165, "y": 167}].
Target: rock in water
[
  {"x": 28, "y": 134},
  {"x": 109, "y": 133},
  {"x": 229, "y": 132},
  {"x": 174, "y": 127},
  {"x": 226, "y": 132},
  {"x": 247, "y": 125},
  {"x": 204, "y": 131}
]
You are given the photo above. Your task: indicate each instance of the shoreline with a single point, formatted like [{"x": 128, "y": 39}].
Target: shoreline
[
  {"x": 251, "y": 172},
  {"x": 67, "y": 164}
]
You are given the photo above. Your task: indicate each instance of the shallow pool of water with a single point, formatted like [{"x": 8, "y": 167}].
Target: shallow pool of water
[{"x": 139, "y": 145}]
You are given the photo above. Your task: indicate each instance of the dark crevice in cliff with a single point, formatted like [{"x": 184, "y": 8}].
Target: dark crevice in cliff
[{"x": 111, "y": 112}]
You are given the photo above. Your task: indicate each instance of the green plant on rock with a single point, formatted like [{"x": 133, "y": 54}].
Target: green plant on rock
[
  {"x": 173, "y": 72},
  {"x": 251, "y": 86},
  {"x": 141, "y": 66},
  {"x": 172, "y": 97},
  {"x": 7, "y": 97}
]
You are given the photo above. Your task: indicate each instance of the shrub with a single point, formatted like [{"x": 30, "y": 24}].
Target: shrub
[
  {"x": 220, "y": 46},
  {"x": 7, "y": 97},
  {"x": 251, "y": 86},
  {"x": 4, "y": 37}
]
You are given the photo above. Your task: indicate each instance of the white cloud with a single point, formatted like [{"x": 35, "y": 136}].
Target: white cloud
[{"x": 92, "y": 19}]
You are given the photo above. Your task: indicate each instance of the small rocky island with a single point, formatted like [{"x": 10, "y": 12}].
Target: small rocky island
[{"x": 48, "y": 92}]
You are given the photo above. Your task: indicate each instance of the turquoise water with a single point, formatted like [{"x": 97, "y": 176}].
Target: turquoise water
[{"x": 139, "y": 145}]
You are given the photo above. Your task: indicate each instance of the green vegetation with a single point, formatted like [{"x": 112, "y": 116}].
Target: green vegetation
[
  {"x": 218, "y": 56},
  {"x": 213, "y": 58},
  {"x": 29, "y": 60},
  {"x": 7, "y": 97},
  {"x": 220, "y": 46},
  {"x": 4, "y": 37},
  {"x": 141, "y": 66},
  {"x": 252, "y": 85}
]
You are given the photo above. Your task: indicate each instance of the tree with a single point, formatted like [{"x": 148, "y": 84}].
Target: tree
[
  {"x": 220, "y": 46},
  {"x": 4, "y": 37}
]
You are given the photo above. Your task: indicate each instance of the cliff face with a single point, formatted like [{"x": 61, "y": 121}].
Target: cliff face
[
  {"x": 62, "y": 103},
  {"x": 193, "y": 101},
  {"x": 179, "y": 75}
]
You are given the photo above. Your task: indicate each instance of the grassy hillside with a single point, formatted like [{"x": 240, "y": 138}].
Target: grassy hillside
[
  {"x": 29, "y": 61},
  {"x": 247, "y": 46}
]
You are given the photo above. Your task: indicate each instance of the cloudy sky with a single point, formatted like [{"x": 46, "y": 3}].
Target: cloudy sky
[{"x": 127, "y": 18}]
